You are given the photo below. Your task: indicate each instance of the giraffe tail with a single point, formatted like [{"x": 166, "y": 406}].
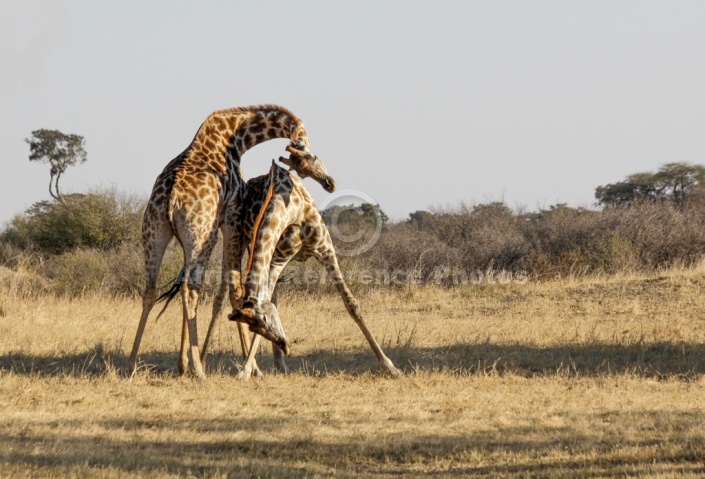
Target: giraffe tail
[{"x": 171, "y": 292}]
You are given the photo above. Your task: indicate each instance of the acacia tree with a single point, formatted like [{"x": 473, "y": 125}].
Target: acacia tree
[
  {"x": 59, "y": 150},
  {"x": 366, "y": 214},
  {"x": 673, "y": 182}
]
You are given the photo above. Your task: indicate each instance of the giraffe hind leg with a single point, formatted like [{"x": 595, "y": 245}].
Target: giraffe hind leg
[
  {"x": 147, "y": 304},
  {"x": 217, "y": 308},
  {"x": 229, "y": 279},
  {"x": 190, "y": 290},
  {"x": 154, "y": 246}
]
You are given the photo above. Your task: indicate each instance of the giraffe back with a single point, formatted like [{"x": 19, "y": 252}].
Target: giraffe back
[{"x": 291, "y": 205}]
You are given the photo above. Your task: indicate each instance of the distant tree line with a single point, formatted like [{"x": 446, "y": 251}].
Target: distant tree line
[{"x": 648, "y": 221}]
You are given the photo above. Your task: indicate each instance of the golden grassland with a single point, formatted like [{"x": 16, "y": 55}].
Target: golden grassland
[{"x": 587, "y": 377}]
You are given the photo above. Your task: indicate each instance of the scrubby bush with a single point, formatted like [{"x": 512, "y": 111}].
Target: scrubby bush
[
  {"x": 86, "y": 270},
  {"x": 558, "y": 241},
  {"x": 99, "y": 220},
  {"x": 119, "y": 270},
  {"x": 92, "y": 243}
]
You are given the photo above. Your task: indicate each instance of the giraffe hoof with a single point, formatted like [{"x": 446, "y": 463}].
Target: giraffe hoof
[{"x": 390, "y": 369}]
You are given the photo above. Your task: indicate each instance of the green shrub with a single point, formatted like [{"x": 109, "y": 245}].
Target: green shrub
[
  {"x": 118, "y": 270},
  {"x": 101, "y": 220}
]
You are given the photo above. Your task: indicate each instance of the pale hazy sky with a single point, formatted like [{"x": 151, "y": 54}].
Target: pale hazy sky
[{"x": 412, "y": 103}]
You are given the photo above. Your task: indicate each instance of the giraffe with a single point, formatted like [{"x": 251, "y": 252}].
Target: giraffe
[
  {"x": 291, "y": 228},
  {"x": 199, "y": 192}
]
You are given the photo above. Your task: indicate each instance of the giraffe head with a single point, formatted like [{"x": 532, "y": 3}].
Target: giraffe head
[
  {"x": 263, "y": 320},
  {"x": 307, "y": 165}
]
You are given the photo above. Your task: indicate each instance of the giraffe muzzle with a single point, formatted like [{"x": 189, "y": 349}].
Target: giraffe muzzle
[
  {"x": 328, "y": 184},
  {"x": 284, "y": 346}
]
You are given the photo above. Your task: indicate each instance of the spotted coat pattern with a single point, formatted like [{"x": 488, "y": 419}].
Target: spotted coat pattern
[
  {"x": 201, "y": 191},
  {"x": 291, "y": 229}
]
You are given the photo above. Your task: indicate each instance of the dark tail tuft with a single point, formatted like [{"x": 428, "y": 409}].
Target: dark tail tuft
[{"x": 171, "y": 292}]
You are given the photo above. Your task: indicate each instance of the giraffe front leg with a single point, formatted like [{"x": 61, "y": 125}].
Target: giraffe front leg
[
  {"x": 330, "y": 261},
  {"x": 289, "y": 244},
  {"x": 247, "y": 339},
  {"x": 217, "y": 307},
  {"x": 277, "y": 352},
  {"x": 250, "y": 367}
]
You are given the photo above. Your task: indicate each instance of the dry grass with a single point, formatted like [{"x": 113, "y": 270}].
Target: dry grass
[{"x": 585, "y": 378}]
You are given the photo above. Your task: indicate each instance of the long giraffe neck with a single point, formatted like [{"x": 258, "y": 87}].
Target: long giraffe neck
[
  {"x": 228, "y": 134},
  {"x": 262, "y": 125},
  {"x": 267, "y": 194}
]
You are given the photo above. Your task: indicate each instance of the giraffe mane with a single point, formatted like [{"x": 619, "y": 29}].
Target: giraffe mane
[{"x": 253, "y": 108}]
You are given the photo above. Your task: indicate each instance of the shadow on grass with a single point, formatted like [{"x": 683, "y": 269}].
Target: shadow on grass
[
  {"x": 656, "y": 360},
  {"x": 255, "y": 447}
]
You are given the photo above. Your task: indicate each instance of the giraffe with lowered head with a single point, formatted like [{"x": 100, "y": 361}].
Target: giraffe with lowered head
[
  {"x": 289, "y": 228},
  {"x": 200, "y": 191}
]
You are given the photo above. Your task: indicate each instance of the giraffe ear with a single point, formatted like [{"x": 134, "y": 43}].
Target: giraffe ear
[
  {"x": 290, "y": 162},
  {"x": 283, "y": 160},
  {"x": 298, "y": 144}
]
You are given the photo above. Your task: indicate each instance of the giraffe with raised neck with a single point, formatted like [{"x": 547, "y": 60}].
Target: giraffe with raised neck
[
  {"x": 291, "y": 228},
  {"x": 201, "y": 191}
]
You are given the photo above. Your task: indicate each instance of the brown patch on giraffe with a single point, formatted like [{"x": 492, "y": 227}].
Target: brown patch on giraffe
[
  {"x": 232, "y": 123},
  {"x": 256, "y": 127},
  {"x": 220, "y": 123}
]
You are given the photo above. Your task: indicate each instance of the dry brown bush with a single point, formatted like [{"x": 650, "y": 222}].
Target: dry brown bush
[
  {"x": 474, "y": 240},
  {"x": 559, "y": 241}
]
